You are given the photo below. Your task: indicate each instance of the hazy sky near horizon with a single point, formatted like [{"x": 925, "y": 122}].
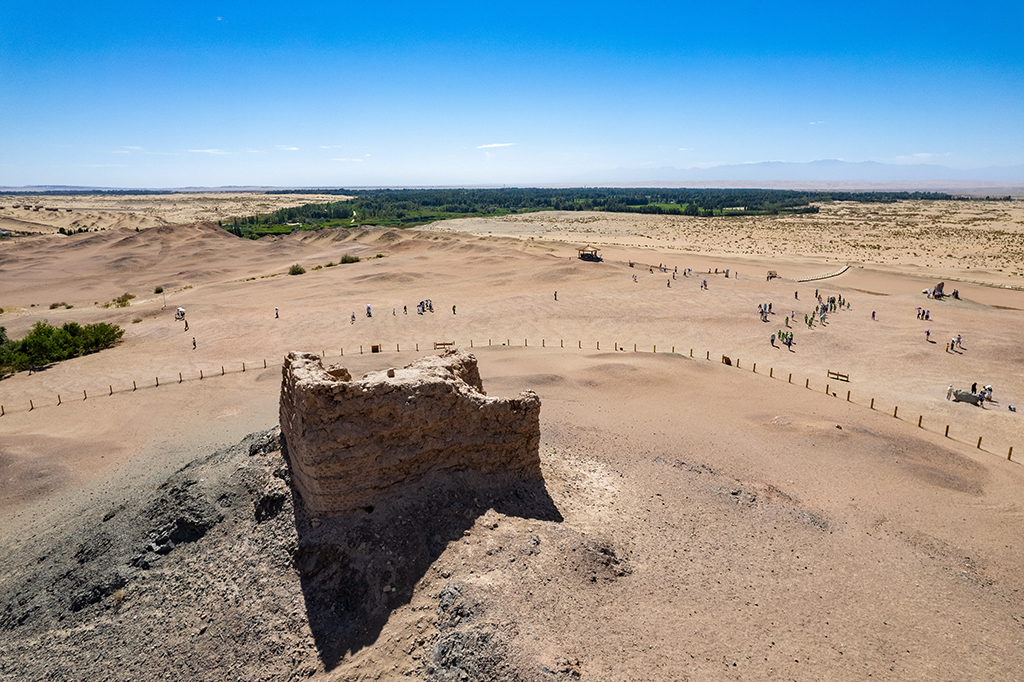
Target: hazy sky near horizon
[{"x": 148, "y": 94}]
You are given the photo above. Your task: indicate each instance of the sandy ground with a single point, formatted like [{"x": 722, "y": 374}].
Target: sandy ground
[
  {"x": 47, "y": 213},
  {"x": 769, "y": 529}
]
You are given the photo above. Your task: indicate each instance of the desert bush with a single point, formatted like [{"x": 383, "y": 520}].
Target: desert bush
[
  {"x": 158, "y": 290},
  {"x": 318, "y": 267},
  {"x": 330, "y": 265},
  {"x": 45, "y": 344},
  {"x": 349, "y": 258},
  {"x": 296, "y": 270},
  {"x": 62, "y": 304},
  {"x": 122, "y": 300},
  {"x": 137, "y": 320}
]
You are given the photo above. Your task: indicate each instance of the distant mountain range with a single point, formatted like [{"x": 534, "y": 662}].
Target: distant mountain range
[
  {"x": 829, "y": 170},
  {"x": 824, "y": 174}
]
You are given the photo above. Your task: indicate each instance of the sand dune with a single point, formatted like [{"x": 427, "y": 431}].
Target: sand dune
[{"x": 752, "y": 521}]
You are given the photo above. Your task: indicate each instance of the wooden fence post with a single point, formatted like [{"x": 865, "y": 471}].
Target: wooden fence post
[
  {"x": 200, "y": 375},
  {"x": 691, "y": 352},
  {"x": 135, "y": 386},
  {"x": 525, "y": 344},
  {"x": 599, "y": 345},
  {"x": 222, "y": 370},
  {"x": 847, "y": 396},
  {"x": 85, "y": 395},
  {"x": 655, "y": 348},
  {"x": 561, "y": 343},
  {"x": 179, "y": 377},
  {"x": 158, "y": 382},
  {"x": 542, "y": 343},
  {"x": 264, "y": 363},
  {"x": 895, "y": 411},
  {"x": 872, "y": 404},
  {"x": 979, "y": 442},
  {"x": 826, "y": 388},
  {"x": 790, "y": 377},
  {"x": 807, "y": 383},
  {"x": 58, "y": 398},
  {"x": 1008, "y": 454},
  {"x": 673, "y": 349},
  {"x": 111, "y": 389},
  {"x": 919, "y": 418},
  {"x": 947, "y": 431},
  {"x": 755, "y": 368},
  {"x": 708, "y": 355},
  {"x": 243, "y": 366},
  {"x": 31, "y": 406}
]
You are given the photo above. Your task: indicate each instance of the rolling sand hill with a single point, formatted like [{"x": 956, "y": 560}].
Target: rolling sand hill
[{"x": 697, "y": 520}]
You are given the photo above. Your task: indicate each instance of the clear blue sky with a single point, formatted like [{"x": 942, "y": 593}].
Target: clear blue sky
[{"x": 160, "y": 94}]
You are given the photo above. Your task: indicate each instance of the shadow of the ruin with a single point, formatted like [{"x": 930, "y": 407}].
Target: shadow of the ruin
[{"x": 356, "y": 569}]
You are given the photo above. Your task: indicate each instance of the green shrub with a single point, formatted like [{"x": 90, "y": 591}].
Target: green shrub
[
  {"x": 318, "y": 267},
  {"x": 137, "y": 320},
  {"x": 330, "y": 265},
  {"x": 158, "y": 290},
  {"x": 349, "y": 258},
  {"x": 45, "y": 344},
  {"x": 296, "y": 270},
  {"x": 122, "y": 300},
  {"x": 59, "y": 305}
]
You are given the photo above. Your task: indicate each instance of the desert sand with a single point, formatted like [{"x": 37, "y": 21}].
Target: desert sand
[{"x": 705, "y": 521}]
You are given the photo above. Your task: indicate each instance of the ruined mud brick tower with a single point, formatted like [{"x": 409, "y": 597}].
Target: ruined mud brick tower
[{"x": 355, "y": 444}]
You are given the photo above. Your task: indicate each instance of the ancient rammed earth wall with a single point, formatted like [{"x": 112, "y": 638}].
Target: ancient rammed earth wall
[{"x": 353, "y": 444}]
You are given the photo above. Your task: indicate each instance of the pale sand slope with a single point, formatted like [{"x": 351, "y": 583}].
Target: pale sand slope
[
  {"x": 95, "y": 212},
  {"x": 909, "y": 554}
]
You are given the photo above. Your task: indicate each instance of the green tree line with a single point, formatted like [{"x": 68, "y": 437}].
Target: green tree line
[{"x": 408, "y": 207}]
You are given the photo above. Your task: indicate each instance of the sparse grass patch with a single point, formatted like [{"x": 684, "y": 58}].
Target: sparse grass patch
[
  {"x": 330, "y": 265},
  {"x": 122, "y": 301},
  {"x": 318, "y": 267},
  {"x": 54, "y": 306},
  {"x": 296, "y": 270},
  {"x": 349, "y": 258},
  {"x": 137, "y": 320}
]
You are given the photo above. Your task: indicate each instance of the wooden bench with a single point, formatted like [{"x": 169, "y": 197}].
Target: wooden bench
[
  {"x": 444, "y": 344},
  {"x": 837, "y": 375}
]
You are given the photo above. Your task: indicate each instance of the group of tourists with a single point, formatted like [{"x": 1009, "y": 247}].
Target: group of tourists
[{"x": 785, "y": 339}]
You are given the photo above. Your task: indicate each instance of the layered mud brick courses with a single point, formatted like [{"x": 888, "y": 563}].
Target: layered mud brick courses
[{"x": 356, "y": 444}]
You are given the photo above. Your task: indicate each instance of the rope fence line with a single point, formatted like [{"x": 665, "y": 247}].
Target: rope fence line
[
  {"x": 379, "y": 348},
  {"x": 831, "y": 274}
]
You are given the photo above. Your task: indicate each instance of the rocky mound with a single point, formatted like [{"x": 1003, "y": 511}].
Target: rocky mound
[{"x": 219, "y": 572}]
